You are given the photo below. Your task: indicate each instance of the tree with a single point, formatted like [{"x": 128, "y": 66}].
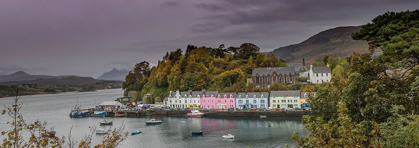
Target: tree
[{"x": 247, "y": 50}]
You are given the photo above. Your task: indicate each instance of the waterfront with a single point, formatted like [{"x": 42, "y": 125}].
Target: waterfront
[{"x": 174, "y": 132}]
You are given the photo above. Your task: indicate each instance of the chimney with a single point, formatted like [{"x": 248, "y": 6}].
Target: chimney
[
  {"x": 327, "y": 65},
  {"x": 311, "y": 66},
  {"x": 304, "y": 63}
]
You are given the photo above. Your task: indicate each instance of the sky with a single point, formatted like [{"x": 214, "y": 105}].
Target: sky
[{"x": 90, "y": 37}]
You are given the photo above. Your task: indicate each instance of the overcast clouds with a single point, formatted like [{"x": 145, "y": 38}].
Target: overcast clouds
[{"x": 88, "y": 38}]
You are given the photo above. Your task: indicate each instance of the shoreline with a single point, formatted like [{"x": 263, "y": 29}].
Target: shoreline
[{"x": 53, "y": 93}]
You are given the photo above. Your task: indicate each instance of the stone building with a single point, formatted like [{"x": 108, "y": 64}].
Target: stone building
[{"x": 264, "y": 77}]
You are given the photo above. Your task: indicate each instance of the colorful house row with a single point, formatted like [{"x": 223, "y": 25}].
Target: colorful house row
[{"x": 240, "y": 100}]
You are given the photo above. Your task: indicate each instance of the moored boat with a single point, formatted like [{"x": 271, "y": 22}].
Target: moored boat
[
  {"x": 46, "y": 133},
  {"x": 98, "y": 114},
  {"x": 119, "y": 115},
  {"x": 101, "y": 131},
  {"x": 85, "y": 113},
  {"x": 75, "y": 114},
  {"x": 196, "y": 114},
  {"x": 197, "y": 133},
  {"x": 104, "y": 122},
  {"x": 136, "y": 132},
  {"x": 229, "y": 136},
  {"x": 153, "y": 122},
  {"x": 262, "y": 116}
]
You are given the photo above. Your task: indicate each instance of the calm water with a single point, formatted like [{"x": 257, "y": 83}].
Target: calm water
[{"x": 174, "y": 132}]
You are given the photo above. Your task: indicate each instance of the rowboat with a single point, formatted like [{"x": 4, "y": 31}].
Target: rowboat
[
  {"x": 101, "y": 131},
  {"x": 229, "y": 136},
  {"x": 136, "y": 132},
  {"x": 197, "y": 133},
  {"x": 104, "y": 122},
  {"x": 153, "y": 122}
]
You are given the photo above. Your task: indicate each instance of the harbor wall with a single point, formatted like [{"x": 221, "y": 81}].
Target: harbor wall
[{"x": 182, "y": 113}]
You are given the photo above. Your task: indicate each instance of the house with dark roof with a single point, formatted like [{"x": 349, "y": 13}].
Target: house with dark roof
[
  {"x": 264, "y": 77},
  {"x": 252, "y": 100},
  {"x": 319, "y": 74}
]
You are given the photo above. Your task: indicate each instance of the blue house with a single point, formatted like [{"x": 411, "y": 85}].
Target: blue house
[{"x": 252, "y": 100}]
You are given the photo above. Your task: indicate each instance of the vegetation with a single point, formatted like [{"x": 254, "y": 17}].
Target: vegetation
[
  {"x": 372, "y": 102},
  {"x": 214, "y": 69}
]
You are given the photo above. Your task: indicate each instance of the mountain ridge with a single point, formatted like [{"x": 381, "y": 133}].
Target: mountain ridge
[{"x": 115, "y": 75}]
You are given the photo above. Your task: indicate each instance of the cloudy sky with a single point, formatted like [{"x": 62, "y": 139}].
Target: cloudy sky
[{"x": 89, "y": 37}]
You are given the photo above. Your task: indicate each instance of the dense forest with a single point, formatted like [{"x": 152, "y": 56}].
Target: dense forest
[
  {"x": 373, "y": 102},
  {"x": 214, "y": 69}
]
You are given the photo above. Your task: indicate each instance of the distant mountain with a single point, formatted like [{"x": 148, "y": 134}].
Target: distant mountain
[
  {"x": 336, "y": 42},
  {"x": 21, "y": 76},
  {"x": 114, "y": 74},
  {"x": 70, "y": 80}
]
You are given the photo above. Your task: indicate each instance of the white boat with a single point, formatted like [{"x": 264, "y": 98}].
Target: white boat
[
  {"x": 101, "y": 131},
  {"x": 196, "y": 113},
  {"x": 104, "y": 122},
  {"x": 153, "y": 122},
  {"x": 229, "y": 136},
  {"x": 262, "y": 116}
]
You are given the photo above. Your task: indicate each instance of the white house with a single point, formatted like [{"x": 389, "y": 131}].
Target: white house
[
  {"x": 319, "y": 74},
  {"x": 184, "y": 99}
]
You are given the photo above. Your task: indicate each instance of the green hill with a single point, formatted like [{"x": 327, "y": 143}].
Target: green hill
[{"x": 336, "y": 42}]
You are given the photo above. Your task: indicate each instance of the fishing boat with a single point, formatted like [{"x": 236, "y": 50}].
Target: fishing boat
[
  {"x": 196, "y": 114},
  {"x": 101, "y": 131},
  {"x": 197, "y": 133},
  {"x": 76, "y": 114},
  {"x": 136, "y": 132},
  {"x": 229, "y": 136},
  {"x": 98, "y": 114},
  {"x": 85, "y": 113},
  {"x": 153, "y": 122},
  {"x": 104, "y": 122},
  {"x": 119, "y": 115},
  {"x": 46, "y": 133}
]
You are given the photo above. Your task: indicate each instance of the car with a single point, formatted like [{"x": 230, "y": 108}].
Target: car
[
  {"x": 230, "y": 109},
  {"x": 289, "y": 109},
  {"x": 297, "y": 108},
  {"x": 252, "y": 109}
]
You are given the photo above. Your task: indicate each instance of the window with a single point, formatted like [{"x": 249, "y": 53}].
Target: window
[
  {"x": 175, "y": 101},
  {"x": 262, "y": 101},
  {"x": 219, "y": 101},
  {"x": 170, "y": 101},
  {"x": 225, "y": 101},
  {"x": 274, "y": 101},
  {"x": 305, "y": 95},
  {"x": 231, "y": 106},
  {"x": 240, "y": 101},
  {"x": 317, "y": 74},
  {"x": 283, "y": 101},
  {"x": 254, "y": 101},
  {"x": 247, "y": 101},
  {"x": 193, "y": 101},
  {"x": 326, "y": 74},
  {"x": 190, "y": 101},
  {"x": 262, "y": 105},
  {"x": 231, "y": 101},
  {"x": 295, "y": 101}
]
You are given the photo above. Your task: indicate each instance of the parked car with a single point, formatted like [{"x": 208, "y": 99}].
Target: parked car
[
  {"x": 252, "y": 109},
  {"x": 230, "y": 109},
  {"x": 289, "y": 109},
  {"x": 297, "y": 108}
]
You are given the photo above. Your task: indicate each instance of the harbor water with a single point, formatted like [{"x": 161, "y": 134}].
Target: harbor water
[{"x": 173, "y": 132}]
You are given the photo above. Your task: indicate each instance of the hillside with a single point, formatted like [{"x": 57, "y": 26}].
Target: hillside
[
  {"x": 336, "y": 42},
  {"x": 20, "y": 76},
  {"x": 71, "y": 80},
  {"x": 114, "y": 74}
]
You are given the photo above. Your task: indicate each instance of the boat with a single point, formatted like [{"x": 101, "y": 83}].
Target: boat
[
  {"x": 46, "y": 133},
  {"x": 262, "y": 116},
  {"x": 85, "y": 113},
  {"x": 119, "y": 115},
  {"x": 229, "y": 136},
  {"x": 136, "y": 132},
  {"x": 153, "y": 122},
  {"x": 76, "y": 114},
  {"x": 104, "y": 122},
  {"x": 98, "y": 114},
  {"x": 196, "y": 114},
  {"x": 197, "y": 133},
  {"x": 101, "y": 131}
]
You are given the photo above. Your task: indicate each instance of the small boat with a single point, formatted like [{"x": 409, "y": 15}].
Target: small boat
[
  {"x": 48, "y": 134},
  {"x": 98, "y": 114},
  {"x": 229, "y": 136},
  {"x": 101, "y": 131},
  {"x": 85, "y": 113},
  {"x": 196, "y": 114},
  {"x": 75, "y": 114},
  {"x": 197, "y": 133},
  {"x": 153, "y": 122},
  {"x": 104, "y": 122},
  {"x": 136, "y": 132},
  {"x": 262, "y": 116},
  {"x": 119, "y": 115}
]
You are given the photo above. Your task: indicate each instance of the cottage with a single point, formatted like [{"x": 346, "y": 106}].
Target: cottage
[
  {"x": 252, "y": 100},
  {"x": 320, "y": 74},
  {"x": 207, "y": 100},
  {"x": 284, "y": 99},
  {"x": 264, "y": 77},
  {"x": 194, "y": 99}
]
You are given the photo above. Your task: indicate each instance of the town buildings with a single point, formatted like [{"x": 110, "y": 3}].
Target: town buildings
[
  {"x": 319, "y": 74},
  {"x": 215, "y": 100},
  {"x": 284, "y": 99},
  {"x": 252, "y": 100}
]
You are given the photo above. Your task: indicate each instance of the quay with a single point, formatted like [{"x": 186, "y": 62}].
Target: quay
[{"x": 183, "y": 113}]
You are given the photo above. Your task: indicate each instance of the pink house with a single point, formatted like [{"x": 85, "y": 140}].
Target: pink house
[{"x": 214, "y": 100}]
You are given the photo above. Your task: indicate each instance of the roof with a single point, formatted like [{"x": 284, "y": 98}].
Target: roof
[
  {"x": 321, "y": 69},
  {"x": 173, "y": 94},
  {"x": 297, "y": 66},
  {"x": 209, "y": 93},
  {"x": 109, "y": 103},
  {"x": 196, "y": 93},
  {"x": 228, "y": 94},
  {"x": 182, "y": 94},
  {"x": 287, "y": 92},
  {"x": 165, "y": 99},
  {"x": 308, "y": 94},
  {"x": 270, "y": 70},
  {"x": 251, "y": 94}
]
